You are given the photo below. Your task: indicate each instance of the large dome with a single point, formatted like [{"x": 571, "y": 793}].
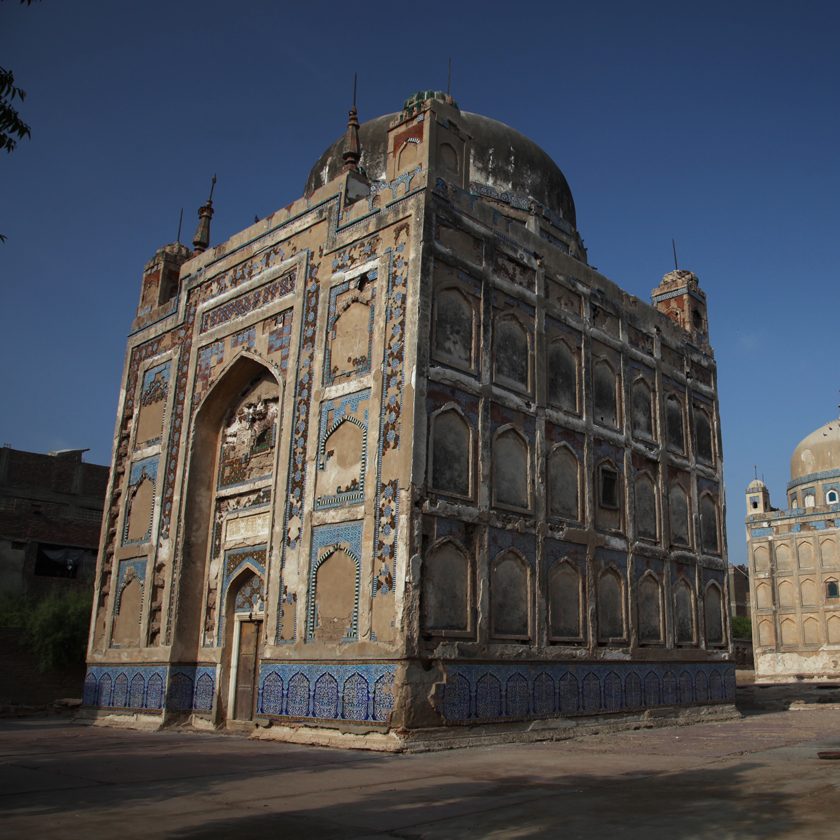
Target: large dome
[
  {"x": 502, "y": 159},
  {"x": 817, "y": 453}
]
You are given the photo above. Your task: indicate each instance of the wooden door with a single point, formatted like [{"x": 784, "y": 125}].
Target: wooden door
[{"x": 246, "y": 670}]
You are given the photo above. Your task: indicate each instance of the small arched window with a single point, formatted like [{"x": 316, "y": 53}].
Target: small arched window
[
  {"x": 832, "y": 589},
  {"x": 832, "y": 497},
  {"x": 810, "y": 500},
  {"x": 608, "y": 486}
]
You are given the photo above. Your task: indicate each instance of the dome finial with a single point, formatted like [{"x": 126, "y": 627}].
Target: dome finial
[
  {"x": 201, "y": 240},
  {"x": 352, "y": 149}
]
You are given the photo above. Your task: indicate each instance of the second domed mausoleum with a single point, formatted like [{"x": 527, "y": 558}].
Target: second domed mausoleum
[{"x": 794, "y": 557}]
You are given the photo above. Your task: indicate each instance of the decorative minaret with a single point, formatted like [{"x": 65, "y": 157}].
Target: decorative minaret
[
  {"x": 352, "y": 148},
  {"x": 356, "y": 184},
  {"x": 201, "y": 240},
  {"x": 680, "y": 297}
]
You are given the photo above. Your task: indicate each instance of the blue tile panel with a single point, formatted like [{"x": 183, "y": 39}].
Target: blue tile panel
[
  {"x": 496, "y": 692},
  {"x": 330, "y": 691},
  {"x": 184, "y": 688}
]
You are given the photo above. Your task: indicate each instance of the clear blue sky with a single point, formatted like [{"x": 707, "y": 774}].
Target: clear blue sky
[{"x": 715, "y": 123}]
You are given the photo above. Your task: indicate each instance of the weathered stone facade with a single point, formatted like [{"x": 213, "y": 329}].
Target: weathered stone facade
[
  {"x": 397, "y": 458},
  {"x": 795, "y": 565}
]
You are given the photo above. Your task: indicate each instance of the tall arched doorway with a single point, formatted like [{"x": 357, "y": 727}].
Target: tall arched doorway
[{"x": 228, "y": 522}]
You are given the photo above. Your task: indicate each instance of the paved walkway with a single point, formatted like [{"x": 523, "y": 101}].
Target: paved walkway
[{"x": 755, "y": 777}]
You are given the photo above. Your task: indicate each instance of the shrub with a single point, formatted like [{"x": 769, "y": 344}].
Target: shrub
[
  {"x": 741, "y": 627},
  {"x": 56, "y": 629}
]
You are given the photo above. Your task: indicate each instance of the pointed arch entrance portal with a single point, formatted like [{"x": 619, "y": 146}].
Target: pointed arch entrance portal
[{"x": 229, "y": 517}]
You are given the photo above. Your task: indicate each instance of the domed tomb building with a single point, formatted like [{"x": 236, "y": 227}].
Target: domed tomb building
[
  {"x": 795, "y": 565},
  {"x": 396, "y": 461}
]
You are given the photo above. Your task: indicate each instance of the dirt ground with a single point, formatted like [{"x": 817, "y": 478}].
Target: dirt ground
[{"x": 754, "y": 777}]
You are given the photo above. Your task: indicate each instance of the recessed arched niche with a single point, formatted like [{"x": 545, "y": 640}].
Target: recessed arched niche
[
  {"x": 604, "y": 394},
  {"x": 511, "y": 472},
  {"x": 641, "y": 408},
  {"x": 709, "y": 525},
  {"x": 511, "y": 353},
  {"x": 127, "y": 613},
  {"x": 449, "y": 158},
  {"x": 678, "y": 515},
  {"x": 563, "y": 481},
  {"x": 610, "y": 606},
  {"x": 787, "y": 597},
  {"x": 763, "y": 595},
  {"x": 811, "y": 631},
  {"x": 703, "y": 436},
  {"x": 453, "y": 332},
  {"x": 684, "y": 621},
  {"x": 341, "y": 469},
  {"x": 767, "y": 634},
  {"x": 784, "y": 557},
  {"x": 789, "y": 632},
  {"x": 713, "y": 614},
  {"x": 761, "y": 558},
  {"x": 562, "y": 376},
  {"x": 450, "y": 453},
  {"x": 675, "y": 422},
  {"x": 335, "y": 597},
  {"x": 510, "y": 598},
  {"x": 564, "y": 602},
  {"x": 649, "y": 609},
  {"x": 445, "y": 590},
  {"x": 349, "y": 344},
  {"x": 647, "y": 517}
]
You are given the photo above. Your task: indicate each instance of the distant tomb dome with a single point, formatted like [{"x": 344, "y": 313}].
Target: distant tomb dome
[
  {"x": 817, "y": 453},
  {"x": 501, "y": 159}
]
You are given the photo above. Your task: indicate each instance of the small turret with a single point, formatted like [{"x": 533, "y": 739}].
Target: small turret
[
  {"x": 758, "y": 498},
  {"x": 680, "y": 297}
]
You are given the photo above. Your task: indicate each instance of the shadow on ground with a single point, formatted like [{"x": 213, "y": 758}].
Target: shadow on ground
[{"x": 704, "y": 803}]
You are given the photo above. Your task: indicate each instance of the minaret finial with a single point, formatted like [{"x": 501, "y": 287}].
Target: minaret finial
[
  {"x": 180, "y": 222},
  {"x": 674, "y": 247},
  {"x": 449, "y": 78},
  {"x": 352, "y": 149},
  {"x": 201, "y": 240}
]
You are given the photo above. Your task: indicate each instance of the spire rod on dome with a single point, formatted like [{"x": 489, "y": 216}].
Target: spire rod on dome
[
  {"x": 201, "y": 240},
  {"x": 352, "y": 148},
  {"x": 449, "y": 78},
  {"x": 674, "y": 246}
]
